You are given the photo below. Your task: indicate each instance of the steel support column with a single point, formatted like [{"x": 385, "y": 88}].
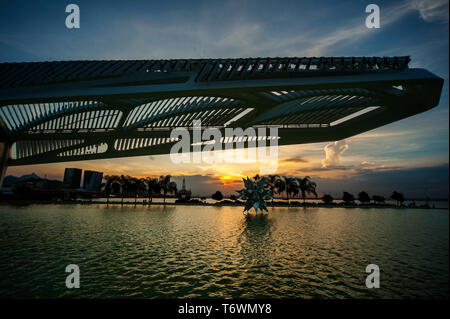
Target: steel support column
[{"x": 4, "y": 157}]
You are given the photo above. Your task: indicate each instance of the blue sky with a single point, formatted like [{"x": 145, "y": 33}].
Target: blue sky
[{"x": 36, "y": 31}]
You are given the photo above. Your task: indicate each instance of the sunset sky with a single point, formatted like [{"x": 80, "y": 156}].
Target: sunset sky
[{"x": 411, "y": 155}]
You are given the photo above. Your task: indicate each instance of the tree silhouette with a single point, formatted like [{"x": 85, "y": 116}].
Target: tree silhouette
[
  {"x": 271, "y": 183},
  {"x": 137, "y": 186},
  {"x": 111, "y": 185},
  {"x": 327, "y": 199},
  {"x": 124, "y": 182},
  {"x": 398, "y": 197},
  {"x": 307, "y": 187},
  {"x": 292, "y": 186},
  {"x": 363, "y": 197},
  {"x": 280, "y": 185},
  {"x": 348, "y": 198},
  {"x": 153, "y": 187},
  {"x": 217, "y": 195},
  {"x": 378, "y": 199},
  {"x": 167, "y": 186}
]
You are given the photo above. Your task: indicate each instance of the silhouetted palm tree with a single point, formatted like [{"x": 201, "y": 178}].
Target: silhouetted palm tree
[
  {"x": 307, "y": 187},
  {"x": 137, "y": 185},
  {"x": 271, "y": 183},
  {"x": 111, "y": 184},
  {"x": 153, "y": 187},
  {"x": 167, "y": 186},
  {"x": 292, "y": 186},
  {"x": 280, "y": 185},
  {"x": 124, "y": 182},
  {"x": 289, "y": 185},
  {"x": 132, "y": 187}
]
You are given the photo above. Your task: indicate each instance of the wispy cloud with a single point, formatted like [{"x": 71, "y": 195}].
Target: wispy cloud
[
  {"x": 295, "y": 160},
  {"x": 432, "y": 10}
]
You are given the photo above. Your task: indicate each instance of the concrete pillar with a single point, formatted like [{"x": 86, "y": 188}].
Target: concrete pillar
[{"x": 4, "y": 156}]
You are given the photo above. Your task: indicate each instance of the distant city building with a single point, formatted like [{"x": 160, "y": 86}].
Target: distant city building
[
  {"x": 92, "y": 180},
  {"x": 72, "y": 178},
  {"x": 47, "y": 184}
]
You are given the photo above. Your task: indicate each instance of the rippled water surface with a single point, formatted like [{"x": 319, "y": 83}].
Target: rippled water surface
[{"x": 195, "y": 251}]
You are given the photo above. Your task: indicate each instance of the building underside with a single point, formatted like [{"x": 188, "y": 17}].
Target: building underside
[{"x": 82, "y": 110}]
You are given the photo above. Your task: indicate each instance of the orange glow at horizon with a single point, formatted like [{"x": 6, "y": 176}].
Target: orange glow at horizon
[{"x": 294, "y": 160}]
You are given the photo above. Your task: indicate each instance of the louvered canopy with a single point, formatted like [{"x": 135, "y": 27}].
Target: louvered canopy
[{"x": 80, "y": 110}]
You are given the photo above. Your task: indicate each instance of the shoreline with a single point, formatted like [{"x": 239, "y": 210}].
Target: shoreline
[{"x": 218, "y": 204}]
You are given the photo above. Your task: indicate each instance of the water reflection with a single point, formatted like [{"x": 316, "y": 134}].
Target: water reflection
[
  {"x": 208, "y": 252},
  {"x": 256, "y": 239},
  {"x": 130, "y": 208},
  {"x": 259, "y": 223}
]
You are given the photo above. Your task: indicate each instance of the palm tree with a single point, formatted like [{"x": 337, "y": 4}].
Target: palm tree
[
  {"x": 137, "y": 185},
  {"x": 125, "y": 183},
  {"x": 111, "y": 184},
  {"x": 167, "y": 186},
  {"x": 153, "y": 187},
  {"x": 271, "y": 183},
  {"x": 307, "y": 187},
  {"x": 280, "y": 185},
  {"x": 132, "y": 187},
  {"x": 292, "y": 186}
]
